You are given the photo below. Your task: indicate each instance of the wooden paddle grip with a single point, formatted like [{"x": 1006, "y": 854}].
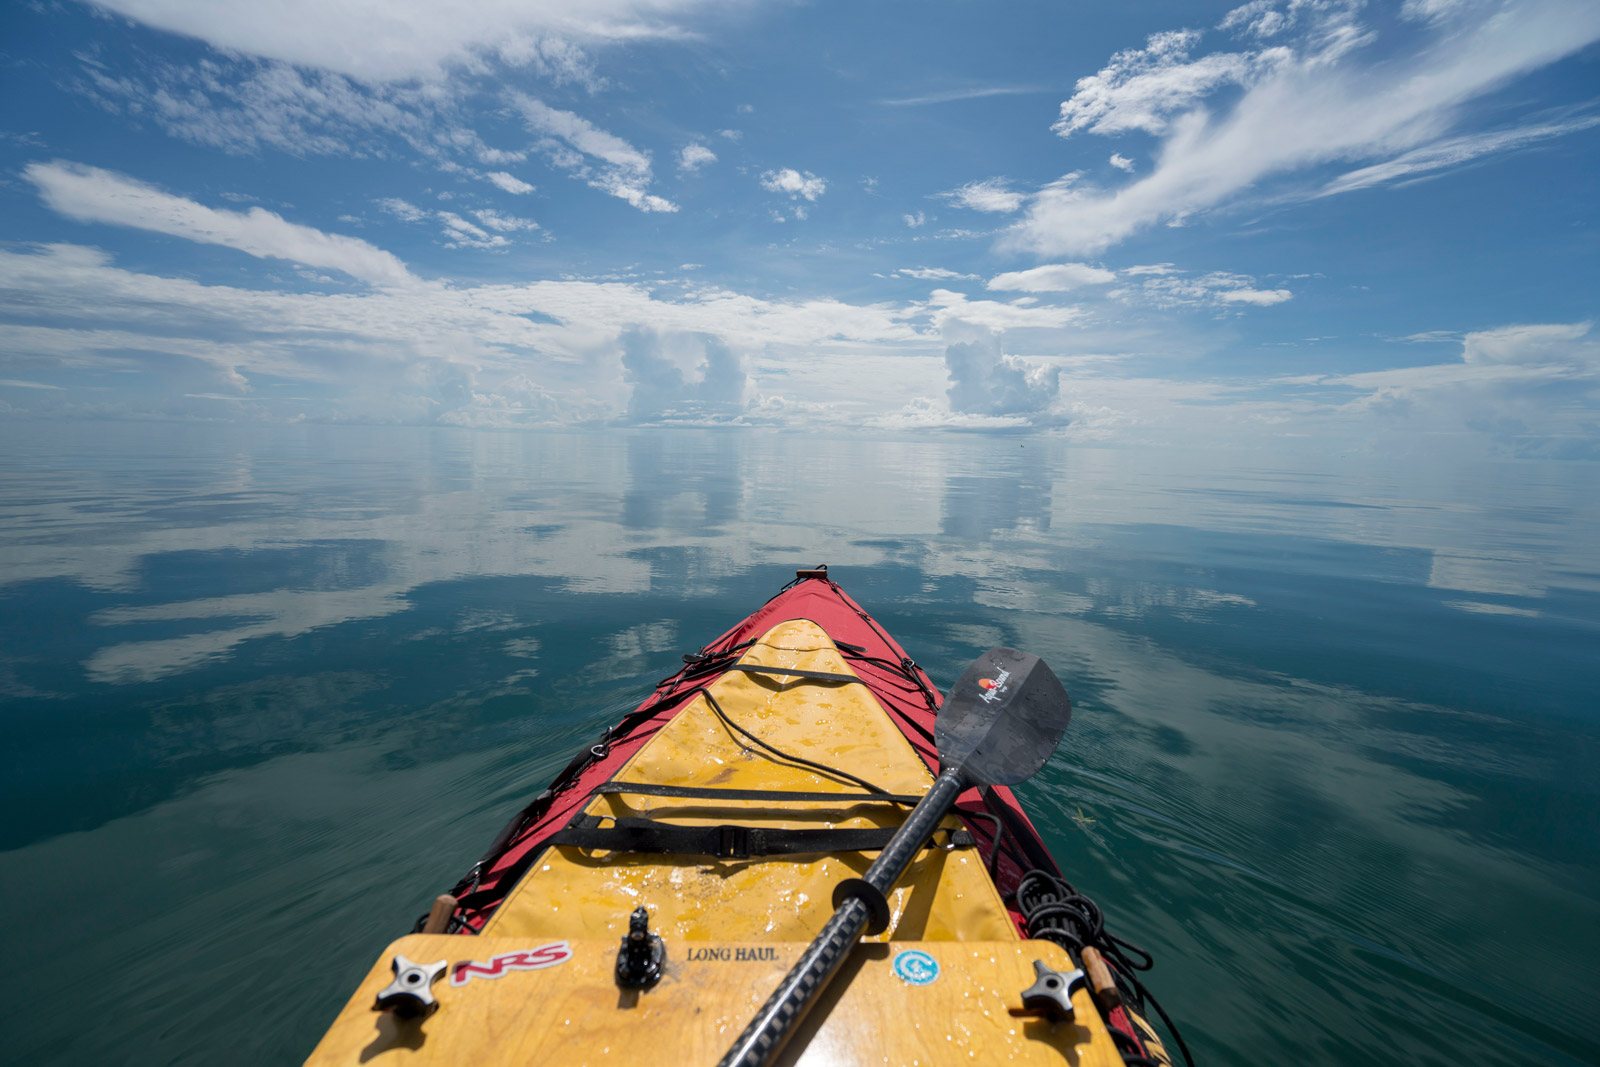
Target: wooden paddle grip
[
  {"x": 444, "y": 906},
  {"x": 1106, "y": 993}
]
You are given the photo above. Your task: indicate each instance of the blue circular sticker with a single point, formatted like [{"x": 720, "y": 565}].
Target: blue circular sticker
[{"x": 917, "y": 968}]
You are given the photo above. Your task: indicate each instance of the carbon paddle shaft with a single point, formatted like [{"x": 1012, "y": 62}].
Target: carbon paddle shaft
[{"x": 797, "y": 994}]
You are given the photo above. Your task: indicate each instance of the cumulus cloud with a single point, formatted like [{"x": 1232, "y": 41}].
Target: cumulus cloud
[
  {"x": 916, "y": 220},
  {"x": 90, "y": 194},
  {"x": 509, "y": 183},
  {"x": 403, "y": 354},
  {"x": 985, "y": 381},
  {"x": 795, "y": 183},
  {"x": 1052, "y": 278},
  {"x": 1142, "y": 87},
  {"x": 946, "y": 306},
  {"x": 694, "y": 156},
  {"x": 604, "y": 160},
  {"x": 1121, "y": 162},
  {"x": 1546, "y": 345},
  {"x": 661, "y": 392},
  {"x": 1530, "y": 389},
  {"x": 991, "y": 194},
  {"x": 1319, "y": 97}
]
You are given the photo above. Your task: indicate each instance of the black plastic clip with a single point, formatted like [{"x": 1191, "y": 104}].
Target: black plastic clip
[{"x": 731, "y": 843}]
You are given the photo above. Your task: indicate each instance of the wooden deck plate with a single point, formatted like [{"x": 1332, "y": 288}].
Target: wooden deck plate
[{"x": 572, "y": 1012}]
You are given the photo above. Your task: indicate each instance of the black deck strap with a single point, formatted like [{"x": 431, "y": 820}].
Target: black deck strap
[
  {"x": 724, "y": 842},
  {"x": 697, "y": 792},
  {"x": 789, "y": 672}
]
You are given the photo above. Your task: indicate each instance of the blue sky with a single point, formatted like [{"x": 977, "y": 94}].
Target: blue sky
[{"x": 1280, "y": 222}]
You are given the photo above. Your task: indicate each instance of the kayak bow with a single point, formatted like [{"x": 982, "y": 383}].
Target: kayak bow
[{"x": 643, "y": 907}]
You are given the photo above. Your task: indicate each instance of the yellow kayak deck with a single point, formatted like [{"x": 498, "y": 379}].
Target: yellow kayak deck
[
  {"x": 572, "y": 1013},
  {"x": 732, "y": 927},
  {"x": 945, "y": 896}
]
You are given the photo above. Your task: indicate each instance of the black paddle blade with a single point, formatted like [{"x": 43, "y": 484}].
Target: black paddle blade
[{"x": 1003, "y": 719}]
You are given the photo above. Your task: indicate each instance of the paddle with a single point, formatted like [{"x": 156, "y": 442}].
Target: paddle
[{"x": 1001, "y": 722}]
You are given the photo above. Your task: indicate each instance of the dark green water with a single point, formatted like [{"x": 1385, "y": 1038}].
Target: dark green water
[{"x": 266, "y": 691}]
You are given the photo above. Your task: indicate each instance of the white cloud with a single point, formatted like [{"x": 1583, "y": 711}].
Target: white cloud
[
  {"x": 984, "y": 381},
  {"x": 932, "y": 273},
  {"x": 914, "y": 221},
  {"x": 571, "y": 141},
  {"x": 493, "y": 156},
  {"x": 694, "y": 156},
  {"x": 1166, "y": 287},
  {"x": 1317, "y": 100},
  {"x": 460, "y": 233},
  {"x": 580, "y": 133},
  {"x": 403, "y": 210},
  {"x": 90, "y": 194},
  {"x": 395, "y": 40},
  {"x": 413, "y": 354},
  {"x": 791, "y": 181},
  {"x": 946, "y": 96},
  {"x": 1141, "y": 87},
  {"x": 1452, "y": 152},
  {"x": 1558, "y": 343},
  {"x": 1121, "y": 162},
  {"x": 732, "y": 135},
  {"x": 1530, "y": 389},
  {"x": 509, "y": 183},
  {"x": 661, "y": 392},
  {"x": 992, "y": 195},
  {"x": 1052, "y": 278},
  {"x": 241, "y": 106},
  {"x": 946, "y": 306},
  {"x": 1258, "y": 297},
  {"x": 496, "y": 220}
]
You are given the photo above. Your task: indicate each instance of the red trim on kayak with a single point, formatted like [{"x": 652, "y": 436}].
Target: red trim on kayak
[{"x": 911, "y": 706}]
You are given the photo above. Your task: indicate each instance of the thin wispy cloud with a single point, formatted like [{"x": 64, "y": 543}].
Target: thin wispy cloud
[
  {"x": 393, "y": 40},
  {"x": 993, "y": 195},
  {"x": 1453, "y": 152},
  {"x": 90, "y": 194},
  {"x": 976, "y": 92},
  {"x": 602, "y": 159},
  {"x": 1314, "y": 96}
]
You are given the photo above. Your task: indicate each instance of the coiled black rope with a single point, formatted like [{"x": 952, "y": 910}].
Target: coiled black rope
[{"x": 1053, "y": 910}]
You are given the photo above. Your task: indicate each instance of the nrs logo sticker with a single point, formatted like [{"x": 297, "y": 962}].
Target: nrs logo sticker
[
  {"x": 532, "y": 960},
  {"x": 916, "y": 967}
]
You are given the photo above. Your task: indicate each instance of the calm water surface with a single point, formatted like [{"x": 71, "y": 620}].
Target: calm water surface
[{"x": 266, "y": 692}]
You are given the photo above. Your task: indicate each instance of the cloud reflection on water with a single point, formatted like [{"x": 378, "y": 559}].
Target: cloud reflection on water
[{"x": 1329, "y": 715}]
